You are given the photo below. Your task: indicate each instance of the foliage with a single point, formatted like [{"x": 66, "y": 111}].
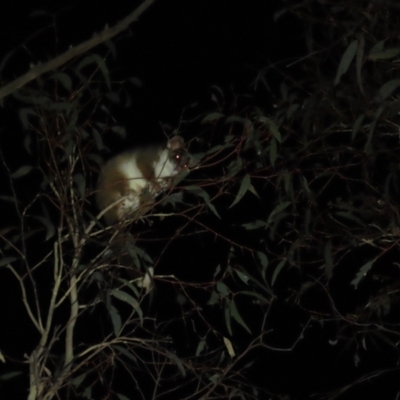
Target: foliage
[
  {"x": 93, "y": 327},
  {"x": 286, "y": 227}
]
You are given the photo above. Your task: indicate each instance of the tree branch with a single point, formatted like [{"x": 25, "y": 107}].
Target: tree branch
[{"x": 56, "y": 62}]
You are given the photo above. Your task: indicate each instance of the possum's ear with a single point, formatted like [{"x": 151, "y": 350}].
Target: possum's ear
[{"x": 175, "y": 143}]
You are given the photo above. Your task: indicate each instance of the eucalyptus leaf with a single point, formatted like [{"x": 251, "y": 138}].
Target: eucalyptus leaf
[
  {"x": 346, "y": 60},
  {"x": 50, "y": 228},
  {"x": 236, "y": 316},
  {"x": 362, "y": 273},
  {"x": 22, "y": 171},
  {"x": 244, "y": 187}
]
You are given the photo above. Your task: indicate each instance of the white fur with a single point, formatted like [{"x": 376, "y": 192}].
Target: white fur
[
  {"x": 130, "y": 204},
  {"x": 130, "y": 169},
  {"x": 165, "y": 167},
  {"x": 127, "y": 167}
]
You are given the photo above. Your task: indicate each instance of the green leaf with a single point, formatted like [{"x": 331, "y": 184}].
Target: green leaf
[
  {"x": 43, "y": 101},
  {"x": 50, "y": 228},
  {"x": 257, "y": 282},
  {"x": 242, "y": 276},
  {"x": 204, "y": 195},
  {"x": 132, "y": 251},
  {"x": 388, "y": 88},
  {"x": 28, "y": 142},
  {"x": 114, "y": 97},
  {"x": 96, "y": 59},
  {"x": 214, "y": 298},
  {"x": 135, "y": 81},
  {"x": 173, "y": 199},
  {"x": 78, "y": 380},
  {"x": 291, "y": 110},
  {"x": 10, "y": 375},
  {"x": 234, "y": 167},
  {"x": 359, "y": 61},
  {"x": 272, "y": 127},
  {"x": 7, "y": 198},
  {"x": 22, "y": 171},
  {"x": 177, "y": 361},
  {"x": 279, "y": 208},
  {"x": 244, "y": 187},
  {"x": 351, "y": 217},
  {"x": 115, "y": 319},
  {"x": 217, "y": 148},
  {"x": 126, "y": 353},
  {"x": 292, "y": 252},
  {"x": 236, "y": 316},
  {"x": 356, "y": 126},
  {"x": 7, "y": 260},
  {"x": 277, "y": 271},
  {"x": 119, "y": 130},
  {"x": 4, "y": 60},
  {"x": 80, "y": 183},
  {"x": 127, "y": 298},
  {"x": 255, "y": 295},
  {"x": 64, "y": 79},
  {"x": 98, "y": 140},
  {"x": 372, "y": 126},
  {"x": 111, "y": 47},
  {"x": 214, "y": 378},
  {"x": 24, "y": 114},
  {"x": 288, "y": 183},
  {"x": 143, "y": 255},
  {"x": 275, "y": 131},
  {"x": 253, "y": 190},
  {"x": 306, "y": 188},
  {"x": 236, "y": 118},
  {"x": 63, "y": 106},
  {"x": 264, "y": 262},
  {"x": 212, "y": 117},
  {"x": 385, "y": 54},
  {"x": 346, "y": 60},
  {"x": 362, "y": 272},
  {"x": 96, "y": 277},
  {"x": 222, "y": 288},
  {"x": 87, "y": 393},
  {"x": 133, "y": 288},
  {"x": 278, "y": 14},
  {"x": 201, "y": 346},
  {"x": 254, "y": 225},
  {"x": 377, "y": 47},
  {"x": 229, "y": 348},
  {"x": 121, "y": 396},
  {"x": 217, "y": 270}
]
